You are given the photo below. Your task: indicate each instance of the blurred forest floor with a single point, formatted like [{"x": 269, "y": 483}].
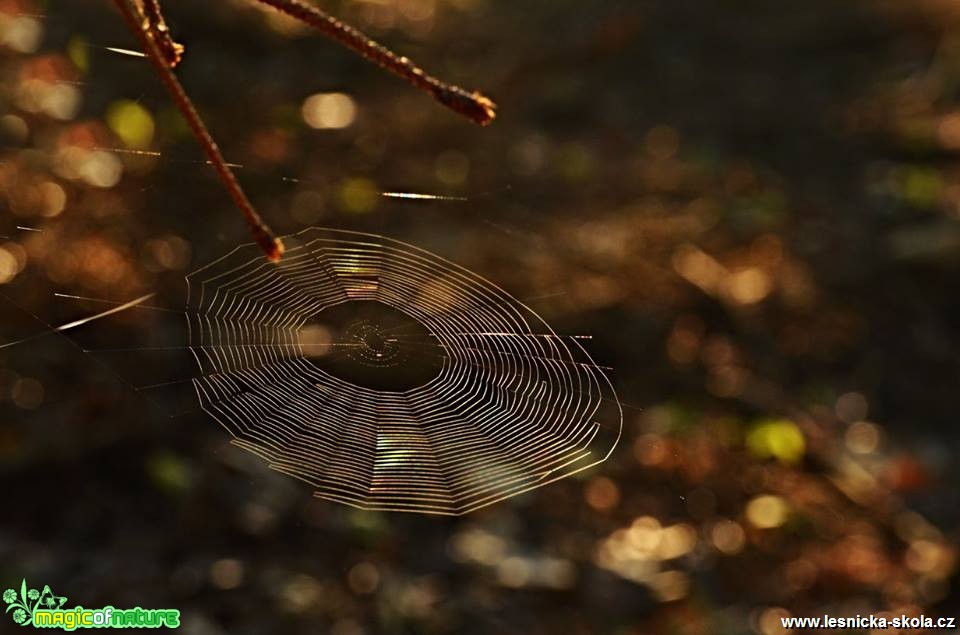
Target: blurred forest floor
[{"x": 753, "y": 207}]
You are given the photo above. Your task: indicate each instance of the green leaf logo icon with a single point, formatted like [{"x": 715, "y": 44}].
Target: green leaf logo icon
[{"x": 23, "y": 604}]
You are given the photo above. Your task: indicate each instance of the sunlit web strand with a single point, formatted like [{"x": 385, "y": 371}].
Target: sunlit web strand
[{"x": 416, "y": 197}]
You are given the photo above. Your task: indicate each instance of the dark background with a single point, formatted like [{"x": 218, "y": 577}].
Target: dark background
[{"x": 753, "y": 207}]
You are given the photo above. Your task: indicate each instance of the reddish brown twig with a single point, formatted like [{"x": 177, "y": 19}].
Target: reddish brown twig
[
  {"x": 473, "y": 105},
  {"x": 147, "y": 23},
  {"x": 271, "y": 245}
]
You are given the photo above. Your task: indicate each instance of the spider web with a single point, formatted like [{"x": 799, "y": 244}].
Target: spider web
[{"x": 504, "y": 406}]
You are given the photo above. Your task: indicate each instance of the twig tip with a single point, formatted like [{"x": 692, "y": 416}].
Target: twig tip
[
  {"x": 275, "y": 250},
  {"x": 475, "y": 106}
]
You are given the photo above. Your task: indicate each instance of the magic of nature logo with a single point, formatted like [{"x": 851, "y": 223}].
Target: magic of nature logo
[{"x": 44, "y": 609}]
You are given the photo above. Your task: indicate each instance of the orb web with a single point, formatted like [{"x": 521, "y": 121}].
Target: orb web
[{"x": 300, "y": 363}]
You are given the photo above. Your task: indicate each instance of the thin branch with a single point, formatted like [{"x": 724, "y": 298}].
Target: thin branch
[
  {"x": 270, "y": 244},
  {"x": 147, "y": 23},
  {"x": 472, "y": 105}
]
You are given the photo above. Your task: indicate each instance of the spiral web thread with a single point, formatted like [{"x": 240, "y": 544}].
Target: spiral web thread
[{"x": 513, "y": 406}]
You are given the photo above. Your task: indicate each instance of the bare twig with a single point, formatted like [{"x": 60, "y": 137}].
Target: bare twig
[
  {"x": 473, "y": 105},
  {"x": 131, "y": 13},
  {"x": 145, "y": 19}
]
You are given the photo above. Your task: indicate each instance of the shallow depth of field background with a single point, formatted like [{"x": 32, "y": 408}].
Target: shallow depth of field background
[{"x": 753, "y": 207}]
